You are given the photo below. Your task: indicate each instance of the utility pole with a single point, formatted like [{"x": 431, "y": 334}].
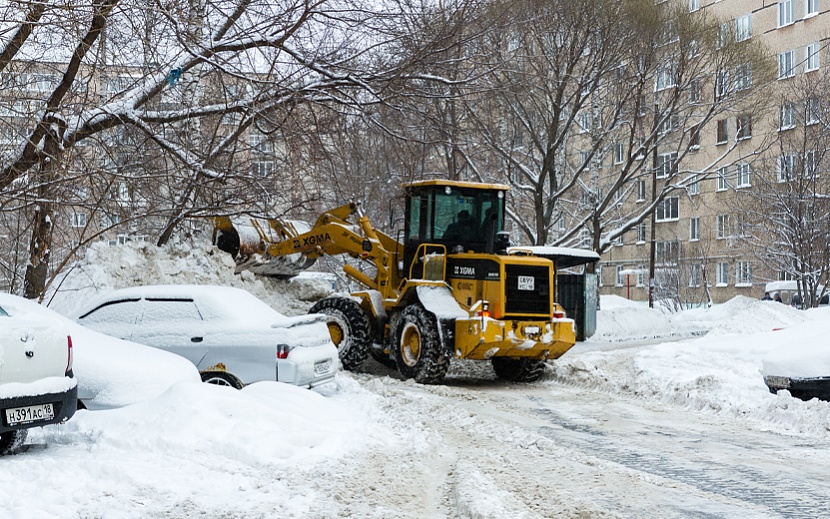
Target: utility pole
[{"x": 652, "y": 251}]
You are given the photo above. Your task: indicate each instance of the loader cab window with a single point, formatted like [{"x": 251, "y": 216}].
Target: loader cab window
[{"x": 459, "y": 218}]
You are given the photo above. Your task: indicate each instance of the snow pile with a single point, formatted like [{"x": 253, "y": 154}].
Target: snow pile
[
  {"x": 721, "y": 372},
  {"x": 107, "y": 268},
  {"x": 620, "y": 319}
]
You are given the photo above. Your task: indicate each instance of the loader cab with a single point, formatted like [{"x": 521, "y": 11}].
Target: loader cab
[{"x": 461, "y": 216}]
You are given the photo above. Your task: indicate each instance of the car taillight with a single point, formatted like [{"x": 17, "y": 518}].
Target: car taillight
[
  {"x": 68, "y": 354},
  {"x": 283, "y": 350}
]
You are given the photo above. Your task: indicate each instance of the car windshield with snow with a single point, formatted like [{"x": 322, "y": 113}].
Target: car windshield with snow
[
  {"x": 37, "y": 386},
  {"x": 232, "y": 337}
]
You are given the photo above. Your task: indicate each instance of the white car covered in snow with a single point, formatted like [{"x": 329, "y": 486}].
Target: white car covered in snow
[
  {"x": 110, "y": 372},
  {"x": 37, "y": 386},
  {"x": 232, "y": 337}
]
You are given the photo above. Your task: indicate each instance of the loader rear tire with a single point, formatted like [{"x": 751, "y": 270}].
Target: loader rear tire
[
  {"x": 349, "y": 327},
  {"x": 417, "y": 350},
  {"x": 518, "y": 370}
]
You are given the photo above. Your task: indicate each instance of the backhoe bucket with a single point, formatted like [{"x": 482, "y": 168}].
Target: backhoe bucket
[{"x": 247, "y": 240}]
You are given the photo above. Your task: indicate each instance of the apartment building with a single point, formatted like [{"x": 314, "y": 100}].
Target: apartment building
[{"x": 709, "y": 244}]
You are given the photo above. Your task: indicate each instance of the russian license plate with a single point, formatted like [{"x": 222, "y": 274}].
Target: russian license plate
[
  {"x": 526, "y": 283},
  {"x": 782, "y": 382},
  {"x": 28, "y": 414},
  {"x": 322, "y": 367}
]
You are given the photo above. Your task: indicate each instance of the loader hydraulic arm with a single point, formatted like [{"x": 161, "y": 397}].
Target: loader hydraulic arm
[{"x": 334, "y": 234}]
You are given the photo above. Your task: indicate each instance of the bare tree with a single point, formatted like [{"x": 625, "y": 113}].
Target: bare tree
[
  {"x": 188, "y": 80},
  {"x": 788, "y": 208}
]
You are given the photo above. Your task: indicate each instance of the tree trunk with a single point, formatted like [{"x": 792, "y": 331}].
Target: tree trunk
[{"x": 40, "y": 246}]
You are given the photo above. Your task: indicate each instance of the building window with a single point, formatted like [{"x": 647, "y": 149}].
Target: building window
[
  {"x": 78, "y": 220},
  {"x": 723, "y": 226},
  {"x": 811, "y": 164},
  {"x": 262, "y": 168},
  {"x": 620, "y": 279},
  {"x": 694, "y": 229},
  {"x": 694, "y": 5},
  {"x": 743, "y": 127},
  {"x": 723, "y": 132},
  {"x": 743, "y": 28},
  {"x": 784, "y": 167},
  {"x": 788, "y": 114},
  {"x": 721, "y": 85},
  {"x": 694, "y": 137},
  {"x": 743, "y": 76},
  {"x": 669, "y": 124},
  {"x": 694, "y": 188},
  {"x": 810, "y": 8},
  {"x": 641, "y": 278},
  {"x": 786, "y": 64},
  {"x": 722, "y": 178},
  {"x": 743, "y": 173},
  {"x": 723, "y": 35},
  {"x": 694, "y": 275},
  {"x": 641, "y": 233},
  {"x": 694, "y": 91},
  {"x": 599, "y": 276},
  {"x": 619, "y": 153},
  {"x": 666, "y": 165},
  {"x": 585, "y": 120},
  {"x": 666, "y": 253},
  {"x": 641, "y": 190},
  {"x": 743, "y": 274},
  {"x": 723, "y": 274},
  {"x": 812, "y": 62},
  {"x": 813, "y": 111},
  {"x": 666, "y": 76},
  {"x": 669, "y": 209},
  {"x": 785, "y": 13}
]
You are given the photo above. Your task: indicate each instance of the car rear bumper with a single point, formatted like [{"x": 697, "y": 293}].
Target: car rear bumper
[
  {"x": 802, "y": 388},
  {"x": 309, "y": 366},
  {"x": 65, "y": 404}
]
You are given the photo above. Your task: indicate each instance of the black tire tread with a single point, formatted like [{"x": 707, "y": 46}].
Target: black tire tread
[
  {"x": 357, "y": 340},
  {"x": 11, "y": 441},
  {"x": 518, "y": 370},
  {"x": 227, "y": 377},
  {"x": 433, "y": 363}
]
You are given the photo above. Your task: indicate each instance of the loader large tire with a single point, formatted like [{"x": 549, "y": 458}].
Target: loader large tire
[
  {"x": 417, "y": 349},
  {"x": 349, "y": 327},
  {"x": 518, "y": 370}
]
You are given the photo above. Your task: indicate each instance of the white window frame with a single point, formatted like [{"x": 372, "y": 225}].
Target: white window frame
[
  {"x": 810, "y": 8},
  {"x": 666, "y": 165},
  {"x": 743, "y": 174},
  {"x": 743, "y": 27},
  {"x": 786, "y": 64},
  {"x": 722, "y": 175},
  {"x": 641, "y": 190},
  {"x": 619, "y": 280},
  {"x": 77, "y": 220},
  {"x": 641, "y": 233},
  {"x": 694, "y": 188},
  {"x": 694, "y": 5},
  {"x": 811, "y": 61},
  {"x": 724, "y": 138},
  {"x": 694, "y": 228},
  {"x": 721, "y": 85},
  {"x": 786, "y": 13},
  {"x": 722, "y": 274},
  {"x": 694, "y": 275},
  {"x": 668, "y": 210},
  {"x": 743, "y": 274},
  {"x": 743, "y": 127},
  {"x": 743, "y": 76},
  {"x": 811, "y": 163},
  {"x": 666, "y": 76},
  {"x": 813, "y": 111},
  {"x": 695, "y": 91},
  {"x": 723, "y": 227},
  {"x": 787, "y": 116},
  {"x": 784, "y": 167},
  {"x": 619, "y": 153}
]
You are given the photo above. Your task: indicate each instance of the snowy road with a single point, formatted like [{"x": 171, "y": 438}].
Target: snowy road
[{"x": 561, "y": 451}]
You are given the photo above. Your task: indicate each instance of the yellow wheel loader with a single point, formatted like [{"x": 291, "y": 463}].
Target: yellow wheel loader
[{"x": 446, "y": 288}]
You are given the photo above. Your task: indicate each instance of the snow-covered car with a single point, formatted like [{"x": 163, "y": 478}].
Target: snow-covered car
[
  {"x": 110, "y": 372},
  {"x": 37, "y": 386},
  {"x": 232, "y": 337},
  {"x": 802, "y": 364}
]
